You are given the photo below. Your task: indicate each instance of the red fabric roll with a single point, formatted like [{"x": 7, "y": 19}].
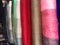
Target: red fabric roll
[
  {"x": 26, "y": 22},
  {"x": 49, "y": 22}
]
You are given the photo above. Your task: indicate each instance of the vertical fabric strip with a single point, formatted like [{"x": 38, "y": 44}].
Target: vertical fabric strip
[
  {"x": 4, "y": 12},
  {"x": 18, "y": 16},
  {"x": 10, "y": 31},
  {"x": 14, "y": 20},
  {"x": 26, "y": 22},
  {"x": 36, "y": 23},
  {"x": 49, "y": 22}
]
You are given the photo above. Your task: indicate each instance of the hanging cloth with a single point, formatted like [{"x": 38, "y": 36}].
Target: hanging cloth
[
  {"x": 49, "y": 22},
  {"x": 26, "y": 22},
  {"x": 36, "y": 22},
  {"x": 14, "y": 21},
  {"x": 19, "y": 28}
]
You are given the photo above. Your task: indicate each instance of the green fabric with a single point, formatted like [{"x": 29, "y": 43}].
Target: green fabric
[{"x": 14, "y": 20}]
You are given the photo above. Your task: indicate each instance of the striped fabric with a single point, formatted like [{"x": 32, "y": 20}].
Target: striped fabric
[{"x": 28, "y": 22}]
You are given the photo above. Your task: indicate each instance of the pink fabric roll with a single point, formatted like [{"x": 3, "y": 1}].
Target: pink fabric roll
[{"x": 49, "y": 22}]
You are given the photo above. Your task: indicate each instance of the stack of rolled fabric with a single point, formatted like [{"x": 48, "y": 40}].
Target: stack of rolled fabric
[
  {"x": 30, "y": 22},
  {"x": 49, "y": 22},
  {"x": 36, "y": 22}
]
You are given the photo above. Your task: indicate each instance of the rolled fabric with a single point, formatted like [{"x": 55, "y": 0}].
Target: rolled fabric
[
  {"x": 14, "y": 21},
  {"x": 9, "y": 22},
  {"x": 4, "y": 12},
  {"x": 2, "y": 37},
  {"x": 0, "y": 17},
  {"x": 26, "y": 22},
  {"x": 36, "y": 22},
  {"x": 1, "y": 34},
  {"x": 7, "y": 25},
  {"x": 18, "y": 16},
  {"x": 49, "y": 22},
  {"x": 58, "y": 14}
]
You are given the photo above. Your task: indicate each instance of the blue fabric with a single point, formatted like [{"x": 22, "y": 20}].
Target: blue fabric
[
  {"x": 4, "y": 12},
  {"x": 58, "y": 15}
]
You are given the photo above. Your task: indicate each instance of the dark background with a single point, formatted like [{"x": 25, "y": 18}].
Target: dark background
[{"x": 58, "y": 15}]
